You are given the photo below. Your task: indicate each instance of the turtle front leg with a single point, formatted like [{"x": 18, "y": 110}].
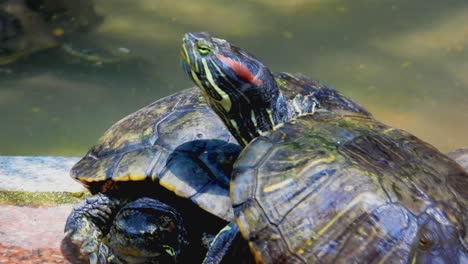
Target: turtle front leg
[
  {"x": 86, "y": 225},
  {"x": 228, "y": 247}
]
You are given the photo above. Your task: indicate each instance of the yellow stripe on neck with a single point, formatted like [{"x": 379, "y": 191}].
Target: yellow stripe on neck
[{"x": 225, "y": 101}]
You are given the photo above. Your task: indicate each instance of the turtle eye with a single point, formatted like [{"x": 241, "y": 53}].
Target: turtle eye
[
  {"x": 204, "y": 49},
  {"x": 424, "y": 243},
  {"x": 426, "y": 240}
]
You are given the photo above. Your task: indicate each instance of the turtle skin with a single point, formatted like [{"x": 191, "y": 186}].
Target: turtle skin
[
  {"x": 337, "y": 187},
  {"x": 177, "y": 151}
]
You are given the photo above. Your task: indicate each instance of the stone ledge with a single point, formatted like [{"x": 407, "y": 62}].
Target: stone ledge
[{"x": 37, "y": 174}]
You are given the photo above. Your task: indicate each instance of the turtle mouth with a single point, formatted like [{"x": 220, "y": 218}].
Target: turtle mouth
[
  {"x": 185, "y": 51},
  {"x": 185, "y": 66},
  {"x": 186, "y": 61}
]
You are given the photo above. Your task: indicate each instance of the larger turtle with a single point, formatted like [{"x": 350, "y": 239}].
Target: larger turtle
[
  {"x": 178, "y": 152},
  {"x": 328, "y": 186}
]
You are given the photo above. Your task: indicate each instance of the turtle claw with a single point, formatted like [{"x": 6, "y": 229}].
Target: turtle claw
[
  {"x": 82, "y": 246},
  {"x": 78, "y": 248},
  {"x": 86, "y": 225}
]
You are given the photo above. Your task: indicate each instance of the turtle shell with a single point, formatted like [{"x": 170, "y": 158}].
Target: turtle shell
[
  {"x": 328, "y": 187},
  {"x": 177, "y": 142}
]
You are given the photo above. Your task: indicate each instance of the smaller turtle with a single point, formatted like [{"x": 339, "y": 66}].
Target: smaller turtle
[
  {"x": 329, "y": 185},
  {"x": 175, "y": 151}
]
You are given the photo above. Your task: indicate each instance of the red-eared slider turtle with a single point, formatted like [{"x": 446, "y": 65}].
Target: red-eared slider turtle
[
  {"x": 328, "y": 186},
  {"x": 177, "y": 151},
  {"x": 174, "y": 150}
]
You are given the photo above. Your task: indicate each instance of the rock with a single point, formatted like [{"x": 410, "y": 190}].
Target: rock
[
  {"x": 33, "y": 234},
  {"x": 37, "y": 174}
]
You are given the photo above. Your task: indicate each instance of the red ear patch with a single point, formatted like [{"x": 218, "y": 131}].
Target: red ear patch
[{"x": 241, "y": 70}]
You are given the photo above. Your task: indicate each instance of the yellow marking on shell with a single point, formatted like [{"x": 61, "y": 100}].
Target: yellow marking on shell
[
  {"x": 257, "y": 254},
  {"x": 316, "y": 162},
  {"x": 322, "y": 231},
  {"x": 137, "y": 177},
  {"x": 168, "y": 186},
  {"x": 225, "y": 99},
  {"x": 353, "y": 203},
  {"x": 245, "y": 235},
  {"x": 239, "y": 225},
  {"x": 388, "y": 130},
  {"x": 307, "y": 243},
  {"x": 276, "y": 186}
]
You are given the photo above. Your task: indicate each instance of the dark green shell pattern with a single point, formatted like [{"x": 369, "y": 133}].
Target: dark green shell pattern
[{"x": 331, "y": 188}]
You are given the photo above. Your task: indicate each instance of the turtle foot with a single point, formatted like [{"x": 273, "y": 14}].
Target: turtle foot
[{"x": 85, "y": 227}]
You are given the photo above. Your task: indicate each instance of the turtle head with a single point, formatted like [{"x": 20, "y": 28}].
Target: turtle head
[
  {"x": 147, "y": 230},
  {"x": 438, "y": 242},
  {"x": 237, "y": 86}
]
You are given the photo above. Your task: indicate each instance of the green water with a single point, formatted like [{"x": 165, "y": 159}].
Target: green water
[{"x": 406, "y": 61}]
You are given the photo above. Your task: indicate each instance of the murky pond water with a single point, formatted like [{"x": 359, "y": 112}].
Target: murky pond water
[{"x": 406, "y": 61}]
